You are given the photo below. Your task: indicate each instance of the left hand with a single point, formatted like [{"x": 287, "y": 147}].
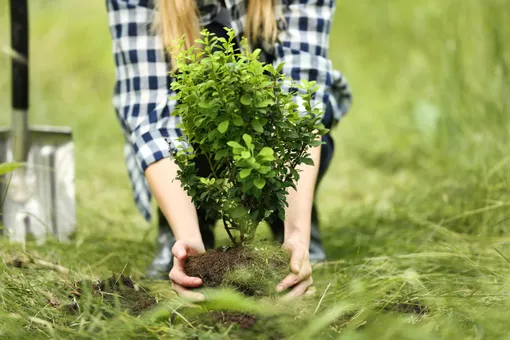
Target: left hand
[{"x": 301, "y": 277}]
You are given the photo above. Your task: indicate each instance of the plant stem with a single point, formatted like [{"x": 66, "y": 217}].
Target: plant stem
[
  {"x": 228, "y": 231},
  {"x": 213, "y": 170}
]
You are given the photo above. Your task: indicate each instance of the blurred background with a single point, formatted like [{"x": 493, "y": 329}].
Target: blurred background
[
  {"x": 428, "y": 130},
  {"x": 422, "y": 159},
  {"x": 427, "y": 135}
]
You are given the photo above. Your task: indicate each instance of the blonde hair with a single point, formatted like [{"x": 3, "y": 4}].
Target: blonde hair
[{"x": 178, "y": 18}]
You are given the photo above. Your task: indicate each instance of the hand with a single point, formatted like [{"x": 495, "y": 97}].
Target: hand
[
  {"x": 301, "y": 277},
  {"x": 180, "y": 281}
]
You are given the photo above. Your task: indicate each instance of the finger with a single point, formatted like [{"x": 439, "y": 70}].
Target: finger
[
  {"x": 287, "y": 282},
  {"x": 296, "y": 260},
  {"x": 310, "y": 292},
  {"x": 293, "y": 279},
  {"x": 180, "y": 250},
  {"x": 187, "y": 294},
  {"x": 298, "y": 290},
  {"x": 178, "y": 276},
  {"x": 306, "y": 271}
]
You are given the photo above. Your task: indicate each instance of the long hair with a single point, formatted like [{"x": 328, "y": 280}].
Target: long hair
[{"x": 177, "y": 18}]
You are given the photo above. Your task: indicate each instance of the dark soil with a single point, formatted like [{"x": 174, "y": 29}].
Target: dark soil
[
  {"x": 407, "y": 307},
  {"x": 214, "y": 267},
  {"x": 239, "y": 325},
  {"x": 18, "y": 263},
  {"x": 132, "y": 297},
  {"x": 253, "y": 271},
  {"x": 244, "y": 320}
]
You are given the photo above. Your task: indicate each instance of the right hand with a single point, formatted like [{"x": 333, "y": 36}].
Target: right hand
[{"x": 180, "y": 281}]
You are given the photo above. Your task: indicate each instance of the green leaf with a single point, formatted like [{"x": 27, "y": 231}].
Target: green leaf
[
  {"x": 211, "y": 135},
  {"x": 279, "y": 68},
  {"x": 292, "y": 134},
  {"x": 322, "y": 132},
  {"x": 316, "y": 143},
  {"x": 222, "y": 128},
  {"x": 238, "y": 212},
  {"x": 247, "y": 186},
  {"x": 246, "y": 99},
  {"x": 247, "y": 139},
  {"x": 257, "y": 126},
  {"x": 307, "y": 161},
  {"x": 204, "y": 105},
  {"x": 294, "y": 173},
  {"x": 245, "y": 173},
  {"x": 264, "y": 169},
  {"x": 265, "y": 103},
  {"x": 269, "y": 68},
  {"x": 199, "y": 122},
  {"x": 8, "y": 167},
  {"x": 238, "y": 121},
  {"x": 281, "y": 214},
  {"x": 220, "y": 154},
  {"x": 245, "y": 154},
  {"x": 235, "y": 144},
  {"x": 266, "y": 151},
  {"x": 255, "y": 214},
  {"x": 259, "y": 183}
]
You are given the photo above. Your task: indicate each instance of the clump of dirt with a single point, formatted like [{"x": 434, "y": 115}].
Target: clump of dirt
[
  {"x": 240, "y": 325},
  {"x": 407, "y": 307},
  {"x": 212, "y": 265},
  {"x": 251, "y": 270},
  {"x": 53, "y": 303},
  {"x": 132, "y": 297},
  {"x": 244, "y": 320},
  {"x": 17, "y": 262}
]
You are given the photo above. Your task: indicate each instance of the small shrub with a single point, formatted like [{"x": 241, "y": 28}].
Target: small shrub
[{"x": 237, "y": 117}]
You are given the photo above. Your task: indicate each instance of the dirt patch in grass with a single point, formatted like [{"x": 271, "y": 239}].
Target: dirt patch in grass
[
  {"x": 253, "y": 271},
  {"x": 240, "y": 325},
  {"x": 407, "y": 307},
  {"x": 244, "y": 320},
  {"x": 131, "y": 296}
]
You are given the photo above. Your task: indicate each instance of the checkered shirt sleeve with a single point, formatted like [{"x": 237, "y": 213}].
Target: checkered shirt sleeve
[
  {"x": 142, "y": 92},
  {"x": 303, "y": 47}
]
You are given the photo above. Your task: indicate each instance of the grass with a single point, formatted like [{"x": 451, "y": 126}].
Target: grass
[{"x": 414, "y": 209}]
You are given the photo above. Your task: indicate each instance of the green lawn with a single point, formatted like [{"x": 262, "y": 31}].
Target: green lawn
[{"x": 413, "y": 209}]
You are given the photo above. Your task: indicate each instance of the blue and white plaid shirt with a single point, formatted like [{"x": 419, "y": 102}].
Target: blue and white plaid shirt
[{"x": 142, "y": 89}]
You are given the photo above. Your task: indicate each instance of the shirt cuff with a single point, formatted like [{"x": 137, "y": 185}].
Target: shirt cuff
[{"x": 152, "y": 146}]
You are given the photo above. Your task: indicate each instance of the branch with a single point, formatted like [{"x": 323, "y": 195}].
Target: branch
[{"x": 228, "y": 231}]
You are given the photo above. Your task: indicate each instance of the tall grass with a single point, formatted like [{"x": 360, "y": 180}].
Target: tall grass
[{"x": 414, "y": 209}]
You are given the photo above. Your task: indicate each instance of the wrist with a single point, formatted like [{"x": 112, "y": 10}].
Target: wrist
[
  {"x": 197, "y": 245},
  {"x": 190, "y": 236},
  {"x": 297, "y": 233}
]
